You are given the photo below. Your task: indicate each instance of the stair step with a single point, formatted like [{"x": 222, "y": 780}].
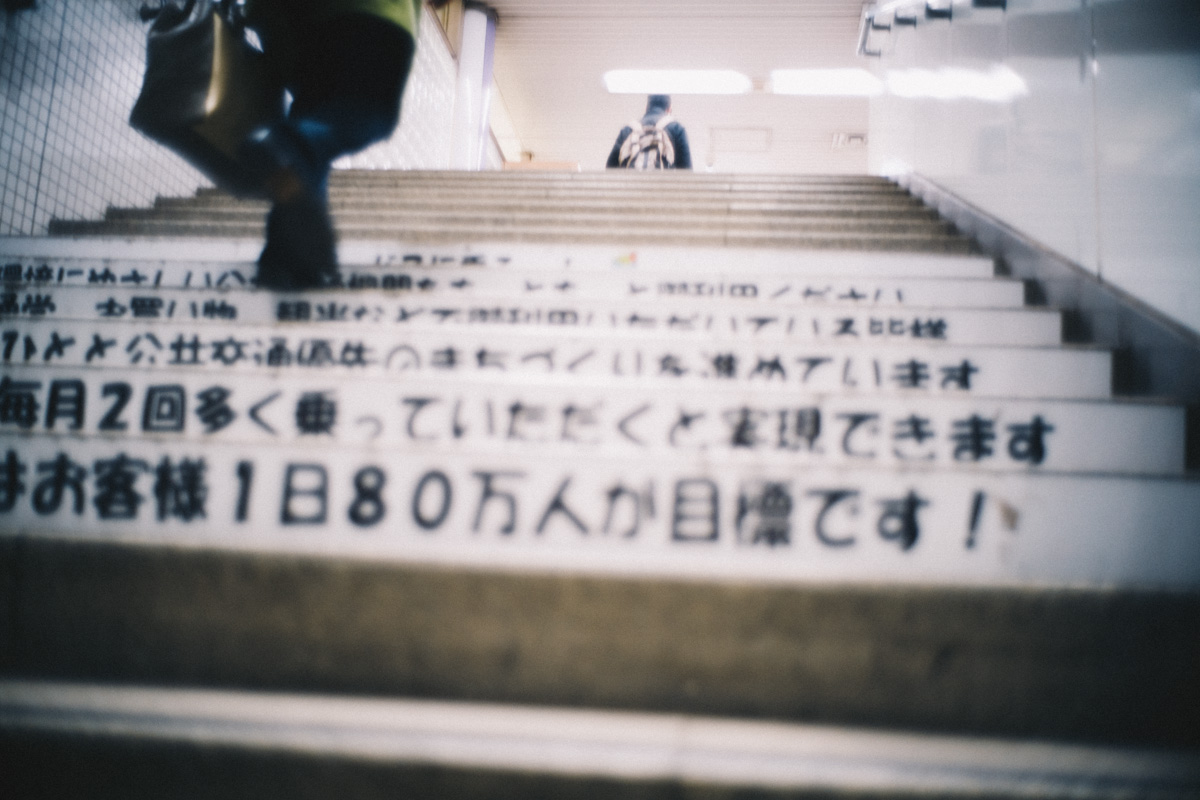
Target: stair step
[
  {"x": 507, "y": 219},
  {"x": 583, "y": 234},
  {"x": 659, "y": 515},
  {"x": 628, "y": 754},
  {"x": 747, "y": 426},
  {"x": 402, "y": 202}
]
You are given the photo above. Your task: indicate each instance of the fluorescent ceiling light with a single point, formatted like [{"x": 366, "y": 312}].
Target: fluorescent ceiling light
[
  {"x": 998, "y": 85},
  {"x": 825, "y": 82},
  {"x": 676, "y": 81}
]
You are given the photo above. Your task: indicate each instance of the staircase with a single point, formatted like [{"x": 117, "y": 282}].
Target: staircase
[{"x": 588, "y": 485}]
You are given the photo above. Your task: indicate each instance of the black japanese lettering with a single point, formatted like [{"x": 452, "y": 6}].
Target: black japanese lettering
[
  {"x": 696, "y": 516},
  {"x": 60, "y": 475},
  {"x": 368, "y": 507},
  {"x": 245, "y": 478},
  {"x": 305, "y": 495},
  {"x": 764, "y": 511},
  {"x": 316, "y": 413},
  {"x": 165, "y": 409},
  {"x": 559, "y": 506},
  {"x": 417, "y": 404},
  {"x": 180, "y": 490},
  {"x": 854, "y": 422},
  {"x": 488, "y": 493},
  {"x": 120, "y": 392},
  {"x": 899, "y": 523},
  {"x": 1028, "y": 442},
  {"x": 976, "y": 514},
  {"x": 832, "y": 498},
  {"x": 116, "y": 486},
  {"x": 419, "y": 516},
  {"x": 973, "y": 438},
  {"x": 11, "y": 486},
  {"x": 68, "y": 399},
  {"x": 213, "y": 411},
  {"x": 635, "y": 502},
  {"x": 18, "y": 402}
]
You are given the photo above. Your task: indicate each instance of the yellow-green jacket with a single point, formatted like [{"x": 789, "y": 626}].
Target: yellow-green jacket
[
  {"x": 280, "y": 20},
  {"x": 404, "y": 13}
]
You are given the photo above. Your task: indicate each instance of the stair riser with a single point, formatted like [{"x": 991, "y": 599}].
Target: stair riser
[
  {"x": 404, "y": 203},
  {"x": 748, "y": 428},
  {"x": 634, "y": 189},
  {"x": 628, "y": 188},
  {"x": 74, "y": 298},
  {"x": 540, "y": 219},
  {"x": 438, "y": 234},
  {"x": 913, "y": 369},
  {"x": 1011, "y": 328},
  {"x": 71, "y": 261},
  {"x": 664, "y": 518}
]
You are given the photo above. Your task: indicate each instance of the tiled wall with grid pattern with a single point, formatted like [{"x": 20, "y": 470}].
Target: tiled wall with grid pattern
[
  {"x": 426, "y": 117},
  {"x": 69, "y": 73}
]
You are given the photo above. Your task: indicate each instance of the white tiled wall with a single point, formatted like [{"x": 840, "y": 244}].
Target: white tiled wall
[
  {"x": 1097, "y": 153},
  {"x": 422, "y": 141},
  {"x": 70, "y": 71}
]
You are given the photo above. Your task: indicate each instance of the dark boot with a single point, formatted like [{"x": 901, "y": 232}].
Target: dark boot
[{"x": 301, "y": 247}]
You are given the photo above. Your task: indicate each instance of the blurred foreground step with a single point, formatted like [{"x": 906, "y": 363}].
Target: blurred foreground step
[
  {"x": 1096, "y": 665},
  {"x": 749, "y": 425},
  {"x": 225, "y": 742}
]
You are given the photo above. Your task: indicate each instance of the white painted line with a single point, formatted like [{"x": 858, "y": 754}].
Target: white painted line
[{"x": 605, "y": 744}]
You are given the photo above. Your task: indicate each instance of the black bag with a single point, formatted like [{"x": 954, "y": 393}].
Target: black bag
[{"x": 205, "y": 89}]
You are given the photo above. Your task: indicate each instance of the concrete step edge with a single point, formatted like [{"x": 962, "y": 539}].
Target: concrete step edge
[{"x": 618, "y": 746}]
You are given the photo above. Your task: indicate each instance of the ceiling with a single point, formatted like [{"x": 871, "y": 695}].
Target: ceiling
[{"x": 551, "y": 56}]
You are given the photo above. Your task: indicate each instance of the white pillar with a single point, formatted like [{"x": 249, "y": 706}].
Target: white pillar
[{"x": 473, "y": 95}]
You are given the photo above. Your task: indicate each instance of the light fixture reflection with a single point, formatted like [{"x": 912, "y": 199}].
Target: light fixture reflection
[
  {"x": 998, "y": 85},
  {"x": 825, "y": 82},
  {"x": 676, "y": 81}
]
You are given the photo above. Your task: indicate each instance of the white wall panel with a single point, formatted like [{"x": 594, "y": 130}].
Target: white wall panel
[{"x": 1098, "y": 158}]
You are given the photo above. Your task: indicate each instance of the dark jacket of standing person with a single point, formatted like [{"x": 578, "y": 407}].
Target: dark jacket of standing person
[
  {"x": 656, "y": 106},
  {"x": 345, "y": 63}
]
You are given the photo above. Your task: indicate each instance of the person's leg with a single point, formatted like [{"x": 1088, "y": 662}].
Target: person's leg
[{"x": 346, "y": 89}]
